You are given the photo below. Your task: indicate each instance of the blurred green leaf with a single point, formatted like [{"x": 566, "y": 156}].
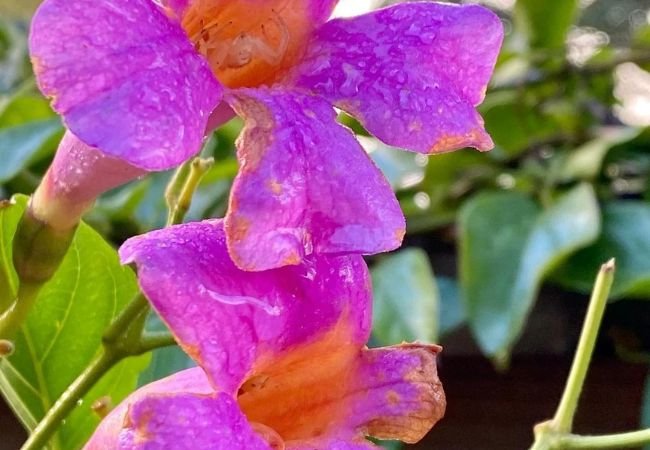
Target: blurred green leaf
[
  {"x": 164, "y": 361},
  {"x": 400, "y": 168},
  {"x": 63, "y": 334},
  {"x": 406, "y": 298},
  {"x": 545, "y": 23},
  {"x": 507, "y": 246},
  {"x": 626, "y": 237},
  {"x": 13, "y": 53},
  {"x": 585, "y": 162},
  {"x": 25, "y": 107},
  {"x": 514, "y": 124},
  {"x": 19, "y": 145},
  {"x": 452, "y": 314}
]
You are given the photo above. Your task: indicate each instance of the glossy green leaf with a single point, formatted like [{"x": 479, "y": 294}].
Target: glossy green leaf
[
  {"x": 406, "y": 298},
  {"x": 507, "y": 246},
  {"x": 546, "y": 23},
  {"x": 63, "y": 334},
  {"x": 19, "y": 145},
  {"x": 626, "y": 237}
]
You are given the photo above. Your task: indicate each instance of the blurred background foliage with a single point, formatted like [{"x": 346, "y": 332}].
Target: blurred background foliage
[{"x": 565, "y": 188}]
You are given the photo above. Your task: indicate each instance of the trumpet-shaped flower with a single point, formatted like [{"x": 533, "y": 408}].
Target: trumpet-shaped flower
[
  {"x": 145, "y": 81},
  {"x": 282, "y": 356}
]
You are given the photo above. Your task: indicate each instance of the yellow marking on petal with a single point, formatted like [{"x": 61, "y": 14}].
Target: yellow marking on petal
[
  {"x": 393, "y": 398},
  {"x": 249, "y": 42},
  {"x": 275, "y": 186},
  {"x": 450, "y": 142},
  {"x": 238, "y": 227},
  {"x": 415, "y": 125},
  {"x": 292, "y": 260}
]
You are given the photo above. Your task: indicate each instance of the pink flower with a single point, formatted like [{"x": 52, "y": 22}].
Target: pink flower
[
  {"x": 144, "y": 83},
  {"x": 282, "y": 356}
]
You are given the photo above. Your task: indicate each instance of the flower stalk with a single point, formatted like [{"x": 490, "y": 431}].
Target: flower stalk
[{"x": 556, "y": 434}]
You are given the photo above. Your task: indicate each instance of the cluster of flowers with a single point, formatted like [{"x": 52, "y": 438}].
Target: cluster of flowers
[{"x": 273, "y": 302}]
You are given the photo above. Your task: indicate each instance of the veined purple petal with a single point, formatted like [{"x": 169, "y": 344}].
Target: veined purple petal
[
  {"x": 188, "y": 422},
  {"x": 191, "y": 381},
  {"x": 231, "y": 321},
  {"x": 305, "y": 185},
  {"x": 125, "y": 78},
  {"x": 333, "y": 444},
  {"x": 411, "y": 73}
]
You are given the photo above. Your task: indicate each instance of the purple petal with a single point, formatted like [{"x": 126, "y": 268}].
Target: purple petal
[
  {"x": 412, "y": 73},
  {"x": 188, "y": 422},
  {"x": 190, "y": 381},
  {"x": 125, "y": 78},
  {"x": 231, "y": 321},
  {"x": 305, "y": 185},
  {"x": 398, "y": 394},
  {"x": 332, "y": 444}
]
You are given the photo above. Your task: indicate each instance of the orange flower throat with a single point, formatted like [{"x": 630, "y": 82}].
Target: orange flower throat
[{"x": 248, "y": 42}]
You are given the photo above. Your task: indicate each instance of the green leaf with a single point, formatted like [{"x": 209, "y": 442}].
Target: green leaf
[
  {"x": 546, "y": 23},
  {"x": 19, "y": 145},
  {"x": 626, "y": 237},
  {"x": 452, "y": 314},
  {"x": 164, "y": 361},
  {"x": 63, "y": 334},
  {"x": 585, "y": 162},
  {"x": 406, "y": 298},
  {"x": 9, "y": 217},
  {"x": 507, "y": 246}
]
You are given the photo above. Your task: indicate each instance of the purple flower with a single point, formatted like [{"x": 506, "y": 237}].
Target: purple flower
[
  {"x": 144, "y": 83},
  {"x": 282, "y": 356}
]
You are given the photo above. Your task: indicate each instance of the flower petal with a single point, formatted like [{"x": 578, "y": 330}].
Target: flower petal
[
  {"x": 320, "y": 10},
  {"x": 411, "y": 73},
  {"x": 305, "y": 185},
  {"x": 387, "y": 393},
  {"x": 171, "y": 414},
  {"x": 125, "y": 78},
  {"x": 233, "y": 322},
  {"x": 190, "y": 381},
  {"x": 332, "y": 444},
  {"x": 188, "y": 422}
]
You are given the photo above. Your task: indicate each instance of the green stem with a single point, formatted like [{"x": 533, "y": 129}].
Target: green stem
[
  {"x": 12, "y": 319},
  {"x": 153, "y": 340},
  {"x": 39, "y": 438},
  {"x": 631, "y": 439},
  {"x": 554, "y": 434},
  {"x": 563, "y": 420},
  {"x": 180, "y": 203}
]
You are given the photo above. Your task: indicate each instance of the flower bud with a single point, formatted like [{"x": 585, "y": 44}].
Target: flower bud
[{"x": 77, "y": 176}]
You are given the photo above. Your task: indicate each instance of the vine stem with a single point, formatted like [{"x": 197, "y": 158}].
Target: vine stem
[
  {"x": 563, "y": 420},
  {"x": 631, "y": 439},
  {"x": 555, "y": 434},
  {"x": 125, "y": 336}
]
